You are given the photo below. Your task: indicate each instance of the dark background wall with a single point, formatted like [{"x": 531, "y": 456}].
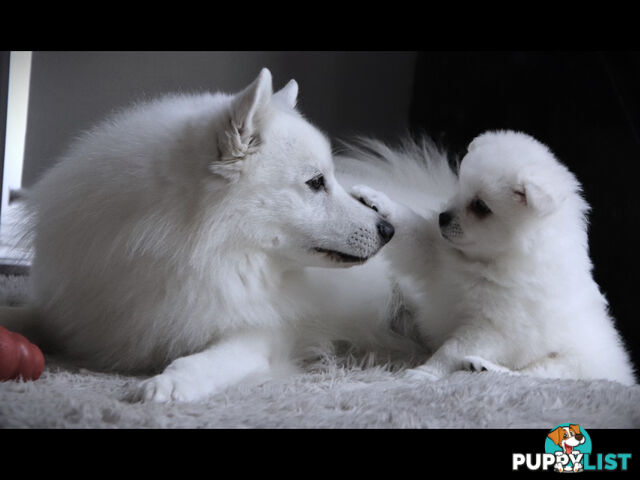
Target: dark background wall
[
  {"x": 341, "y": 92},
  {"x": 586, "y": 107}
]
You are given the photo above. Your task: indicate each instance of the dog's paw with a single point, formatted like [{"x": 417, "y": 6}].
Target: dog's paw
[
  {"x": 479, "y": 364},
  {"x": 374, "y": 199},
  {"x": 168, "y": 387},
  {"x": 421, "y": 374}
]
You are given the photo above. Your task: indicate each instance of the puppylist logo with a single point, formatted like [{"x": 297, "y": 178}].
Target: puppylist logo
[
  {"x": 568, "y": 449},
  {"x": 569, "y": 445}
]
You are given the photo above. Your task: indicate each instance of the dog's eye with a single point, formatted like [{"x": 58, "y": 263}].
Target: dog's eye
[
  {"x": 316, "y": 183},
  {"x": 479, "y": 208}
]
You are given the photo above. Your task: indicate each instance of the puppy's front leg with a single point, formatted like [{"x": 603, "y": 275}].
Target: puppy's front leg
[
  {"x": 221, "y": 365},
  {"x": 470, "y": 348},
  {"x": 446, "y": 360},
  {"x": 403, "y": 217},
  {"x": 414, "y": 233}
]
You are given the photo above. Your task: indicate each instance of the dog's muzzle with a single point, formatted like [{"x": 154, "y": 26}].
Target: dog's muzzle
[
  {"x": 365, "y": 242},
  {"x": 385, "y": 231},
  {"x": 362, "y": 244},
  {"x": 444, "y": 219},
  {"x": 449, "y": 227}
]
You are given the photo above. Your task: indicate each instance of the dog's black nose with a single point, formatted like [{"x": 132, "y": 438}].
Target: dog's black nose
[
  {"x": 385, "y": 230},
  {"x": 445, "y": 219}
]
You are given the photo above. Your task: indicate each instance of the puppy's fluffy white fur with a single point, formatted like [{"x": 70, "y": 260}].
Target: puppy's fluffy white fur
[{"x": 503, "y": 277}]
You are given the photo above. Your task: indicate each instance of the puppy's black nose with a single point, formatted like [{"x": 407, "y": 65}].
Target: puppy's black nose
[
  {"x": 445, "y": 219},
  {"x": 385, "y": 230}
]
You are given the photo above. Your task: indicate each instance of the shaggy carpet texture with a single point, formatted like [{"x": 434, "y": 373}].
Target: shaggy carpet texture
[{"x": 336, "y": 392}]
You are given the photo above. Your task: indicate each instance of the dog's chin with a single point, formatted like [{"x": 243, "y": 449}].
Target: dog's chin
[
  {"x": 340, "y": 259},
  {"x": 453, "y": 241},
  {"x": 469, "y": 252},
  {"x": 457, "y": 246}
]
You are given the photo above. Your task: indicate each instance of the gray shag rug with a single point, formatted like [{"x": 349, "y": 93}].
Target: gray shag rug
[{"x": 336, "y": 392}]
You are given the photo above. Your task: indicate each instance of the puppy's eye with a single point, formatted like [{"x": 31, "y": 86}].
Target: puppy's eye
[
  {"x": 316, "y": 183},
  {"x": 479, "y": 208}
]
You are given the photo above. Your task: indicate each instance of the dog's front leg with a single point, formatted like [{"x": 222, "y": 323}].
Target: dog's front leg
[{"x": 225, "y": 363}]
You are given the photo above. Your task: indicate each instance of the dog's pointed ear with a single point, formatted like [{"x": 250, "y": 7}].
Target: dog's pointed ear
[
  {"x": 241, "y": 136},
  {"x": 288, "y": 94},
  {"x": 555, "y": 436},
  {"x": 538, "y": 196}
]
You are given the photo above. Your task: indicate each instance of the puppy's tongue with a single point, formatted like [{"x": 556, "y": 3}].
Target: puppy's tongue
[{"x": 569, "y": 449}]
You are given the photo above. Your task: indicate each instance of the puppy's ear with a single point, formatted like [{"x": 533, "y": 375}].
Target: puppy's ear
[
  {"x": 241, "y": 135},
  {"x": 537, "y": 196},
  {"x": 288, "y": 94},
  {"x": 483, "y": 139},
  {"x": 476, "y": 142}
]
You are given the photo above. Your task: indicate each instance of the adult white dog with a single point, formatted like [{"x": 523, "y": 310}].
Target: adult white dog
[
  {"x": 178, "y": 235},
  {"x": 503, "y": 276}
]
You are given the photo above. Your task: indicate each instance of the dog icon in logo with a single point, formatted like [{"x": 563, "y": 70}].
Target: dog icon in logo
[{"x": 567, "y": 438}]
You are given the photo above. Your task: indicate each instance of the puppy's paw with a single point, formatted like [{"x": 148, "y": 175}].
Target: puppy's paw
[
  {"x": 421, "y": 374},
  {"x": 169, "y": 387},
  {"x": 479, "y": 364},
  {"x": 374, "y": 199}
]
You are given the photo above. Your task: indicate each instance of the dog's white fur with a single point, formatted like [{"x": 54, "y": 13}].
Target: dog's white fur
[
  {"x": 510, "y": 290},
  {"x": 182, "y": 234}
]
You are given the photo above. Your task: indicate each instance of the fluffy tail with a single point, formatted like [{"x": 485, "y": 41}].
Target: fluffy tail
[{"x": 416, "y": 172}]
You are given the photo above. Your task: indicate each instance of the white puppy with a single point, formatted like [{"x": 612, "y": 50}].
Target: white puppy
[
  {"x": 504, "y": 273},
  {"x": 174, "y": 238}
]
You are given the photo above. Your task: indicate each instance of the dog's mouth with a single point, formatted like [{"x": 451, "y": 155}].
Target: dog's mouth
[
  {"x": 568, "y": 449},
  {"x": 340, "y": 256},
  {"x": 452, "y": 240}
]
